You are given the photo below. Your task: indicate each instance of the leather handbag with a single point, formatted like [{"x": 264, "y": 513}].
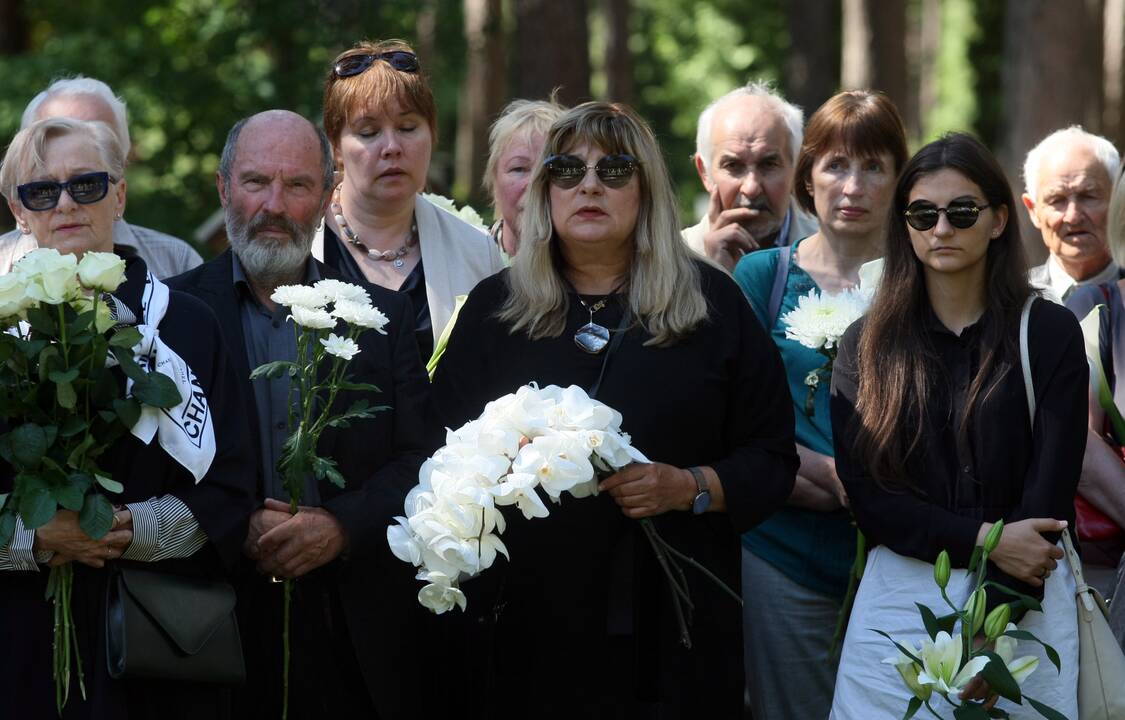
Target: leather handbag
[
  {"x": 171, "y": 627},
  {"x": 1101, "y": 664}
]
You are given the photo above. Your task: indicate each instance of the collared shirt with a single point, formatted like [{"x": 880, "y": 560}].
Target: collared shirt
[
  {"x": 269, "y": 337},
  {"x": 164, "y": 255},
  {"x": 1058, "y": 284}
]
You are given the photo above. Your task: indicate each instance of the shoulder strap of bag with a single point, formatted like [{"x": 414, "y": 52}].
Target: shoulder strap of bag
[
  {"x": 615, "y": 341},
  {"x": 778, "y": 288},
  {"x": 1082, "y": 590}
]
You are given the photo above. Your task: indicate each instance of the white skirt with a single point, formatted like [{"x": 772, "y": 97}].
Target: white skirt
[{"x": 868, "y": 689}]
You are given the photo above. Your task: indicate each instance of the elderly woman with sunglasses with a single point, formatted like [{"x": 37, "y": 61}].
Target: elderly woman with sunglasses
[
  {"x": 380, "y": 117},
  {"x": 604, "y": 295},
  {"x": 184, "y": 516}
]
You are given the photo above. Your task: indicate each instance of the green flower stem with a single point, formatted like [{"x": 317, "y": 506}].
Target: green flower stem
[
  {"x": 854, "y": 575},
  {"x": 692, "y": 562},
  {"x": 674, "y": 588}
]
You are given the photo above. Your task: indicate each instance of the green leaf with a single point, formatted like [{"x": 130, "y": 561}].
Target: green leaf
[
  {"x": 901, "y": 649},
  {"x": 72, "y": 426},
  {"x": 1026, "y": 600},
  {"x": 32, "y": 348},
  {"x": 59, "y": 376},
  {"x": 929, "y": 620},
  {"x": 3, "y": 499},
  {"x": 996, "y": 674},
  {"x": 74, "y": 460},
  {"x": 65, "y": 395},
  {"x": 274, "y": 370},
  {"x": 157, "y": 390},
  {"x": 48, "y": 359},
  {"x": 125, "y": 338},
  {"x": 7, "y": 527},
  {"x": 96, "y": 516},
  {"x": 29, "y": 444},
  {"x": 1052, "y": 654},
  {"x": 110, "y": 484},
  {"x": 128, "y": 365},
  {"x": 6, "y": 449},
  {"x": 128, "y": 410},
  {"x": 41, "y": 320},
  {"x": 69, "y": 496},
  {"x": 998, "y": 713},
  {"x": 81, "y": 323},
  {"x": 358, "y": 387},
  {"x": 37, "y": 507},
  {"x": 974, "y": 559},
  {"x": 915, "y": 704},
  {"x": 1045, "y": 710},
  {"x": 326, "y": 468},
  {"x": 970, "y": 711},
  {"x": 81, "y": 480}
]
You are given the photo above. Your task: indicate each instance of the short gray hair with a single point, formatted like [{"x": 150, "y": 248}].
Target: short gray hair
[
  {"x": 226, "y": 160},
  {"x": 530, "y": 117},
  {"x": 1103, "y": 150},
  {"x": 790, "y": 114},
  {"x": 25, "y": 155},
  {"x": 79, "y": 85}
]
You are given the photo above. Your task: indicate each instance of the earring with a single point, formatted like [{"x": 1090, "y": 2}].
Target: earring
[
  {"x": 118, "y": 217},
  {"x": 24, "y": 229}
]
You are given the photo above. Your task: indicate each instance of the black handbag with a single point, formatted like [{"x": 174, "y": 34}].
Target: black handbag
[{"x": 171, "y": 627}]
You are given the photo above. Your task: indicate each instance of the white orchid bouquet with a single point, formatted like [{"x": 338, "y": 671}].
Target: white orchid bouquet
[
  {"x": 465, "y": 212},
  {"x": 552, "y": 439},
  {"x": 61, "y": 409},
  {"x": 317, "y": 311},
  {"x": 951, "y": 656}
]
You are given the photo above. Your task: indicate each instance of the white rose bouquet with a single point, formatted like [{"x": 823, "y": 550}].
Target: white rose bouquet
[
  {"x": 947, "y": 661},
  {"x": 555, "y": 440},
  {"x": 317, "y": 311},
  {"x": 61, "y": 409}
]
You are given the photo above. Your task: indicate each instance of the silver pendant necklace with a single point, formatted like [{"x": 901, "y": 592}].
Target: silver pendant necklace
[
  {"x": 592, "y": 337},
  {"x": 395, "y": 257}
]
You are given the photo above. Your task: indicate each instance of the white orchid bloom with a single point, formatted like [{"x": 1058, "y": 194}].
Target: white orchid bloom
[
  {"x": 575, "y": 410},
  {"x": 1021, "y": 667},
  {"x": 441, "y": 595},
  {"x": 519, "y": 489},
  {"x": 909, "y": 671},
  {"x": 558, "y": 461},
  {"x": 941, "y": 664},
  {"x": 403, "y": 542}
]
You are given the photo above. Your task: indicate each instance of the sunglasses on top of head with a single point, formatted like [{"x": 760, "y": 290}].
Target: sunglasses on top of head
[
  {"x": 923, "y": 215},
  {"x": 400, "y": 60},
  {"x": 84, "y": 189},
  {"x": 567, "y": 171}
]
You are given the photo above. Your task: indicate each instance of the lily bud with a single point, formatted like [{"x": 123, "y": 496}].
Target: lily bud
[
  {"x": 997, "y": 621},
  {"x": 941, "y": 570},
  {"x": 993, "y": 538},
  {"x": 974, "y": 612}
]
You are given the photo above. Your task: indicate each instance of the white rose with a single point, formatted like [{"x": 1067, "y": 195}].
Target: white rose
[
  {"x": 103, "y": 320},
  {"x": 344, "y": 348},
  {"x": 316, "y": 318},
  {"x": 14, "y": 299},
  {"x": 294, "y": 296},
  {"x": 360, "y": 314},
  {"x": 51, "y": 278},
  {"x": 340, "y": 291},
  {"x": 101, "y": 271}
]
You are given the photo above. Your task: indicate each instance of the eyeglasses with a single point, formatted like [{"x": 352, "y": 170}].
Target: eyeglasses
[
  {"x": 923, "y": 215},
  {"x": 566, "y": 171},
  {"x": 400, "y": 60},
  {"x": 83, "y": 189}
]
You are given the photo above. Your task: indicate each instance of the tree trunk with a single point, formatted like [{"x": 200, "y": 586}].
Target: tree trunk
[
  {"x": 481, "y": 94},
  {"x": 425, "y": 31},
  {"x": 618, "y": 59},
  {"x": 1052, "y": 78},
  {"x": 813, "y": 63},
  {"x": 874, "y": 47},
  {"x": 13, "y": 28},
  {"x": 1113, "y": 115},
  {"x": 552, "y": 49}
]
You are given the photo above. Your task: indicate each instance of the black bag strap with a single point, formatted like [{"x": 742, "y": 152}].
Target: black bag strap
[
  {"x": 615, "y": 341},
  {"x": 778, "y": 288}
]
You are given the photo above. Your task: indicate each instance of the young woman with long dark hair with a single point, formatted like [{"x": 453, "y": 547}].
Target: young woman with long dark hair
[{"x": 933, "y": 437}]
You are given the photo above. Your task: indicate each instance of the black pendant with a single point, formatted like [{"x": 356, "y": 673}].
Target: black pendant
[{"x": 592, "y": 338}]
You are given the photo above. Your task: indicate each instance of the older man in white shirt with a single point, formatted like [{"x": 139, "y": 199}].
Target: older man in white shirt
[
  {"x": 746, "y": 154},
  {"x": 1069, "y": 179},
  {"x": 92, "y": 100}
]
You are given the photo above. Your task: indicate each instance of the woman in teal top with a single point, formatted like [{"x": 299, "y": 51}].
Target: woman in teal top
[{"x": 795, "y": 565}]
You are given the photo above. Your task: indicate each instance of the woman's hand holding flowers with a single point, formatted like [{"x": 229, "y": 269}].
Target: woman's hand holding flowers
[
  {"x": 647, "y": 489},
  {"x": 1023, "y": 552},
  {"x": 63, "y": 536}
]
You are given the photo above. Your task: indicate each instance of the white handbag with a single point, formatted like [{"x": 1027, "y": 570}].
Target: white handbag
[{"x": 1101, "y": 664}]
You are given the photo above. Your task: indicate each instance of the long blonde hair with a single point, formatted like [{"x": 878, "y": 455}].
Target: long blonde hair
[{"x": 665, "y": 296}]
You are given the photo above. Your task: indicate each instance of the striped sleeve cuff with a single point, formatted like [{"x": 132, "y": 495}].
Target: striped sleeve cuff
[
  {"x": 163, "y": 528},
  {"x": 19, "y": 553}
]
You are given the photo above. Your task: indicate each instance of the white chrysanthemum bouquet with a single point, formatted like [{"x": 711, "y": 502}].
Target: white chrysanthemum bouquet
[{"x": 317, "y": 310}]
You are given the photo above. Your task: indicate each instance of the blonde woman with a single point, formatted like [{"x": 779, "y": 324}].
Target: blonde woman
[{"x": 603, "y": 294}]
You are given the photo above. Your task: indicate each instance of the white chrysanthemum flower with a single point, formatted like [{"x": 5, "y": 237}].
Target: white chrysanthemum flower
[
  {"x": 341, "y": 347},
  {"x": 360, "y": 314},
  {"x": 310, "y": 317},
  {"x": 819, "y": 320},
  {"x": 304, "y": 296},
  {"x": 338, "y": 290}
]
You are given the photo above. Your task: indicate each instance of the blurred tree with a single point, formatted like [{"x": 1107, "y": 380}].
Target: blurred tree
[
  {"x": 482, "y": 94},
  {"x": 618, "y": 58},
  {"x": 812, "y": 66},
  {"x": 874, "y": 47},
  {"x": 552, "y": 49}
]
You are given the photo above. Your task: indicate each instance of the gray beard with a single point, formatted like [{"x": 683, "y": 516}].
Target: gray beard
[{"x": 268, "y": 262}]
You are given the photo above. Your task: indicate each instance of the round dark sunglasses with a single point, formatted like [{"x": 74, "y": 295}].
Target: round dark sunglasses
[
  {"x": 567, "y": 171},
  {"x": 400, "y": 60},
  {"x": 83, "y": 189},
  {"x": 922, "y": 215}
]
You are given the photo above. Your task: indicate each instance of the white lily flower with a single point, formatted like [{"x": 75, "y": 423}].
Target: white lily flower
[
  {"x": 909, "y": 671},
  {"x": 1021, "y": 667},
  {"x": 941, "y": 664},
  {"x": 341, "y": 347}
]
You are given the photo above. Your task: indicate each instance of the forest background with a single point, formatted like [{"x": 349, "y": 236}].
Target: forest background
[{"x": 1009, "y": 71}]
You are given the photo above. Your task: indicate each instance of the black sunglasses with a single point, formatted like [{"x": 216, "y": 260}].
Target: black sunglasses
[
  {"x": 400, "y": 60},
  {"x": 923, "y": 215},
  {"x": 83, "y": 189},
  {"x": 566, "y": 171}
]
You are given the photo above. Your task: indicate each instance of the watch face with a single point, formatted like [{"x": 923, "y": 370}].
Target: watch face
[{"x": 701, "y": 503}]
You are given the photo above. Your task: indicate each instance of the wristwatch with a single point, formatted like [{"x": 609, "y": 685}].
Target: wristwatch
[{"x": 702, "y": 499}]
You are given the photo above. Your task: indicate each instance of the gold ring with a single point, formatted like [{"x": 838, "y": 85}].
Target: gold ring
[
  {"x": 276, "y": 579},
  {"x": 116, "y": 522}
]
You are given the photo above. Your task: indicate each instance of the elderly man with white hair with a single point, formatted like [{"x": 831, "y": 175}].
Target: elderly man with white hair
[
  {"x": 746, "y": 151},
  {"x": 91, "y": 100},
  {"x": 1069, "y": 179}
]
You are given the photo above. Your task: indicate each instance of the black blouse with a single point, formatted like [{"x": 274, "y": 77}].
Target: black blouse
[
  {"x": 1003, "y": 469},
  {"x": 717, "y": 398}
]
